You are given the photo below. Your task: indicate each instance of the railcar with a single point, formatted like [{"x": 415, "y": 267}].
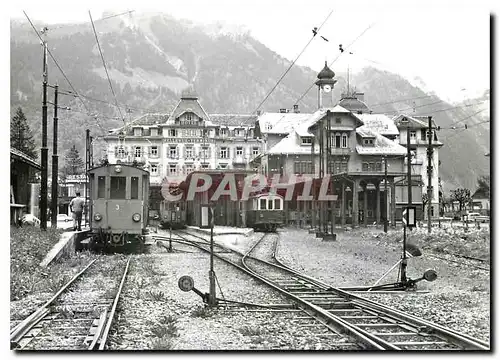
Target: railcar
[
  {"x": 265, "y": 212},
  {"x": 173, "y": 214},
  {"x": 119, "y": 213}
]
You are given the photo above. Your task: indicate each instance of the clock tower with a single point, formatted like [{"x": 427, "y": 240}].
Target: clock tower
[{"x": 325, "y": 84}]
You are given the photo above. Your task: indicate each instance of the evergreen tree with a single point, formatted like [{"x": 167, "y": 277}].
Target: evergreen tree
[
  {"x": 20, "y": 134},
  {"x": 74, "y": 164}
]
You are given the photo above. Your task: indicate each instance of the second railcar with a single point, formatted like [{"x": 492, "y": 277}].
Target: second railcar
[
  {"x": 173, "y": 214},
  {"x": 265, "y": 212}
]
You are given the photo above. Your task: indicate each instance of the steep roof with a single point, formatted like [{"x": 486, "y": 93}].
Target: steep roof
[
  {"x": 281, "y": 123},
  {"x": 381, "y": 146},
  {"x": 19, "y": 155},
  {"x": 188, "y": 105},
  {"x": 234, "y": 119},
  {"x": 291, "y": 145},
  {"x": 414, "y": 121},
  {"x": 379, "y": 123}
]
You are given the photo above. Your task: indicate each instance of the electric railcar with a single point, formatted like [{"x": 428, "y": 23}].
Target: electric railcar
[
  {"x": 173, "y": 214},
  {"x": 119, "y": 196},
  {"x": 265, "y": 212}
]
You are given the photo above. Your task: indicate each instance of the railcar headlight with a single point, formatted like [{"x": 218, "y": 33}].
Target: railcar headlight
[
  {"x": 136, "y": 217},
  {"x": 97, "y": 217}
]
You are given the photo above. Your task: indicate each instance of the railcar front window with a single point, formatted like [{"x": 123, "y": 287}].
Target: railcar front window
[
  {"x": 134, "y": 188},
  {"x": 101, "y": 187},
  {"x": 277, "y": 205},
  {"x": 117, "y": 188},
  {"x": 263, "y": 203},
  {"x": 270, "y": 206}
]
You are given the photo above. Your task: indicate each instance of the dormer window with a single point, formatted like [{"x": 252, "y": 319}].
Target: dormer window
[
  {"x": 338, "y": 121},
  {"x": 154, "y": 132},
  {"x": 172, "y": 132},
  {"x": 189, "y": 116},
  {"x": 368, "y": 141},
  {"x": 413, "y": 134},
  {"x": 138, "y": 131},
  {"x": 306, "y": 141},
  {"x": 223, "y": 132}
]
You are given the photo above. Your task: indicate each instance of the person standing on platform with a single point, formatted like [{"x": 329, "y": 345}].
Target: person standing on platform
[{"x": 76, "y": 207}]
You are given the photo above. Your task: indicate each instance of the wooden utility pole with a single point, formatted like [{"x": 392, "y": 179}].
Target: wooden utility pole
[
  {"x": 87, "y": 168},
  {"x": 429, "y": 176},
  {"x": 409, "y": 162},
  {"x": 44, "y": 150},
  {"x": 53, "y": 217}
]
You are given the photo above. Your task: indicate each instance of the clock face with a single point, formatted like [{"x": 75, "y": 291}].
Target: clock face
[{"x": 327, "y": 88}]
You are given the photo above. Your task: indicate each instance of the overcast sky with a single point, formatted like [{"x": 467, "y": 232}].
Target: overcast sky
[{"x": 446, "y": 43}]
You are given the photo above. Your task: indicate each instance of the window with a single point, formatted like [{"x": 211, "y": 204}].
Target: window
[
  {"x": 117, "y": 187},
  {"x": 337, "y": 140},
  {"x": 277, "y": 204},
  {"x": 154, "y": 150},
  {"x": 270, "y": 205},
  {"x": 172, "y": 132},
  {"x": 134, "y": 187},
  {"x": 101, "y": 187},
  {"x": 154, "y": 169},
  {"x": 371, "y": 166},
  {"x": 189, "y": 168},
  {"x": 224, "y": 153},
  {"x": 344, "y": 141},
  {"x": 172, "y": 151},
  {"x": 239, "y": 151},
  {"x": 413, "y": 134},
  {"x": 154, "y": 132},
  {"x": 189, "y": 116},
  {"x": 306, "y": 141},
  {"x": 255, "y": 151},
  {"x": 205, "y": 152},
  {"x": 368, "y": 142},
  {"x": 302, "y": 167},
  {"x": 338, "y": 121},
  {"x": 137, "y": 151},
  {"x": 223, "y": 132},
  {"x": 137, "y": 131},
  {"x": 268, "y": 126},
  {"x": 263, "y": 203},
  {"x": 204, "y": 166},
  {"x": 337, "y": 167},
  {"x": 188, "y": 152},
  {"x": 427, "y": 134},
  {"x": 172, "y": 169},
  {"x": 121, "y": 152}
]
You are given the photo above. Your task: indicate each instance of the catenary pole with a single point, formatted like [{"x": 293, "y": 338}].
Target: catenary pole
[
  {"x": 44, "y": 150},
  {"x": 429, "y": 176},
  {"x": 53, "y": 217}
]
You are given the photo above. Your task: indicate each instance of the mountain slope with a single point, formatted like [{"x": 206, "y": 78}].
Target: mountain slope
[{"x": 151, "y": 58}]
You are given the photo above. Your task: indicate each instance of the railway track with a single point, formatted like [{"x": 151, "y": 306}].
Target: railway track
[
  {"x": 368, "y": 325},
  {"x": 79, "y": 316}
]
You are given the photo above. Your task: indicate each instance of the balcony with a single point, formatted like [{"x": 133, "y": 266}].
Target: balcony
[
  {"x": 341, "y": 151},
  {"x": 240, "y": 159}
]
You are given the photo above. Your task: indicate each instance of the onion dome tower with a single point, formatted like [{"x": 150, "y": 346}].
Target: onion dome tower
[{"x": 325, "y": 83}]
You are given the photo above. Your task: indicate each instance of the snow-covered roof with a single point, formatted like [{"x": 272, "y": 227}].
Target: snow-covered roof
[
  {"x": 415, "y": 121},
  {"x": 291, "y": 144},
  {"x": 379, "y": 123},
  {"x": 381, "y": 146},
  {"x": 281, "y": 123}
]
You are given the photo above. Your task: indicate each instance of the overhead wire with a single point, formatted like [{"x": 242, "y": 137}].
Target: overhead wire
[
  {"x": 293, "y": 62},
  {"x": 331, "y": 63},
  {"x": 105, "y": 68}
]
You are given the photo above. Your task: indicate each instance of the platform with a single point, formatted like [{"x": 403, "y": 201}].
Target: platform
[{"x": 222, "y": 230}]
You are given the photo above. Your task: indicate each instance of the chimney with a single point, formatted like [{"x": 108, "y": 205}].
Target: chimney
[
  {"x": 360, "y": 96},
  {"x": 296, "y": 109},
  {"x": 283, "y": 111}
]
